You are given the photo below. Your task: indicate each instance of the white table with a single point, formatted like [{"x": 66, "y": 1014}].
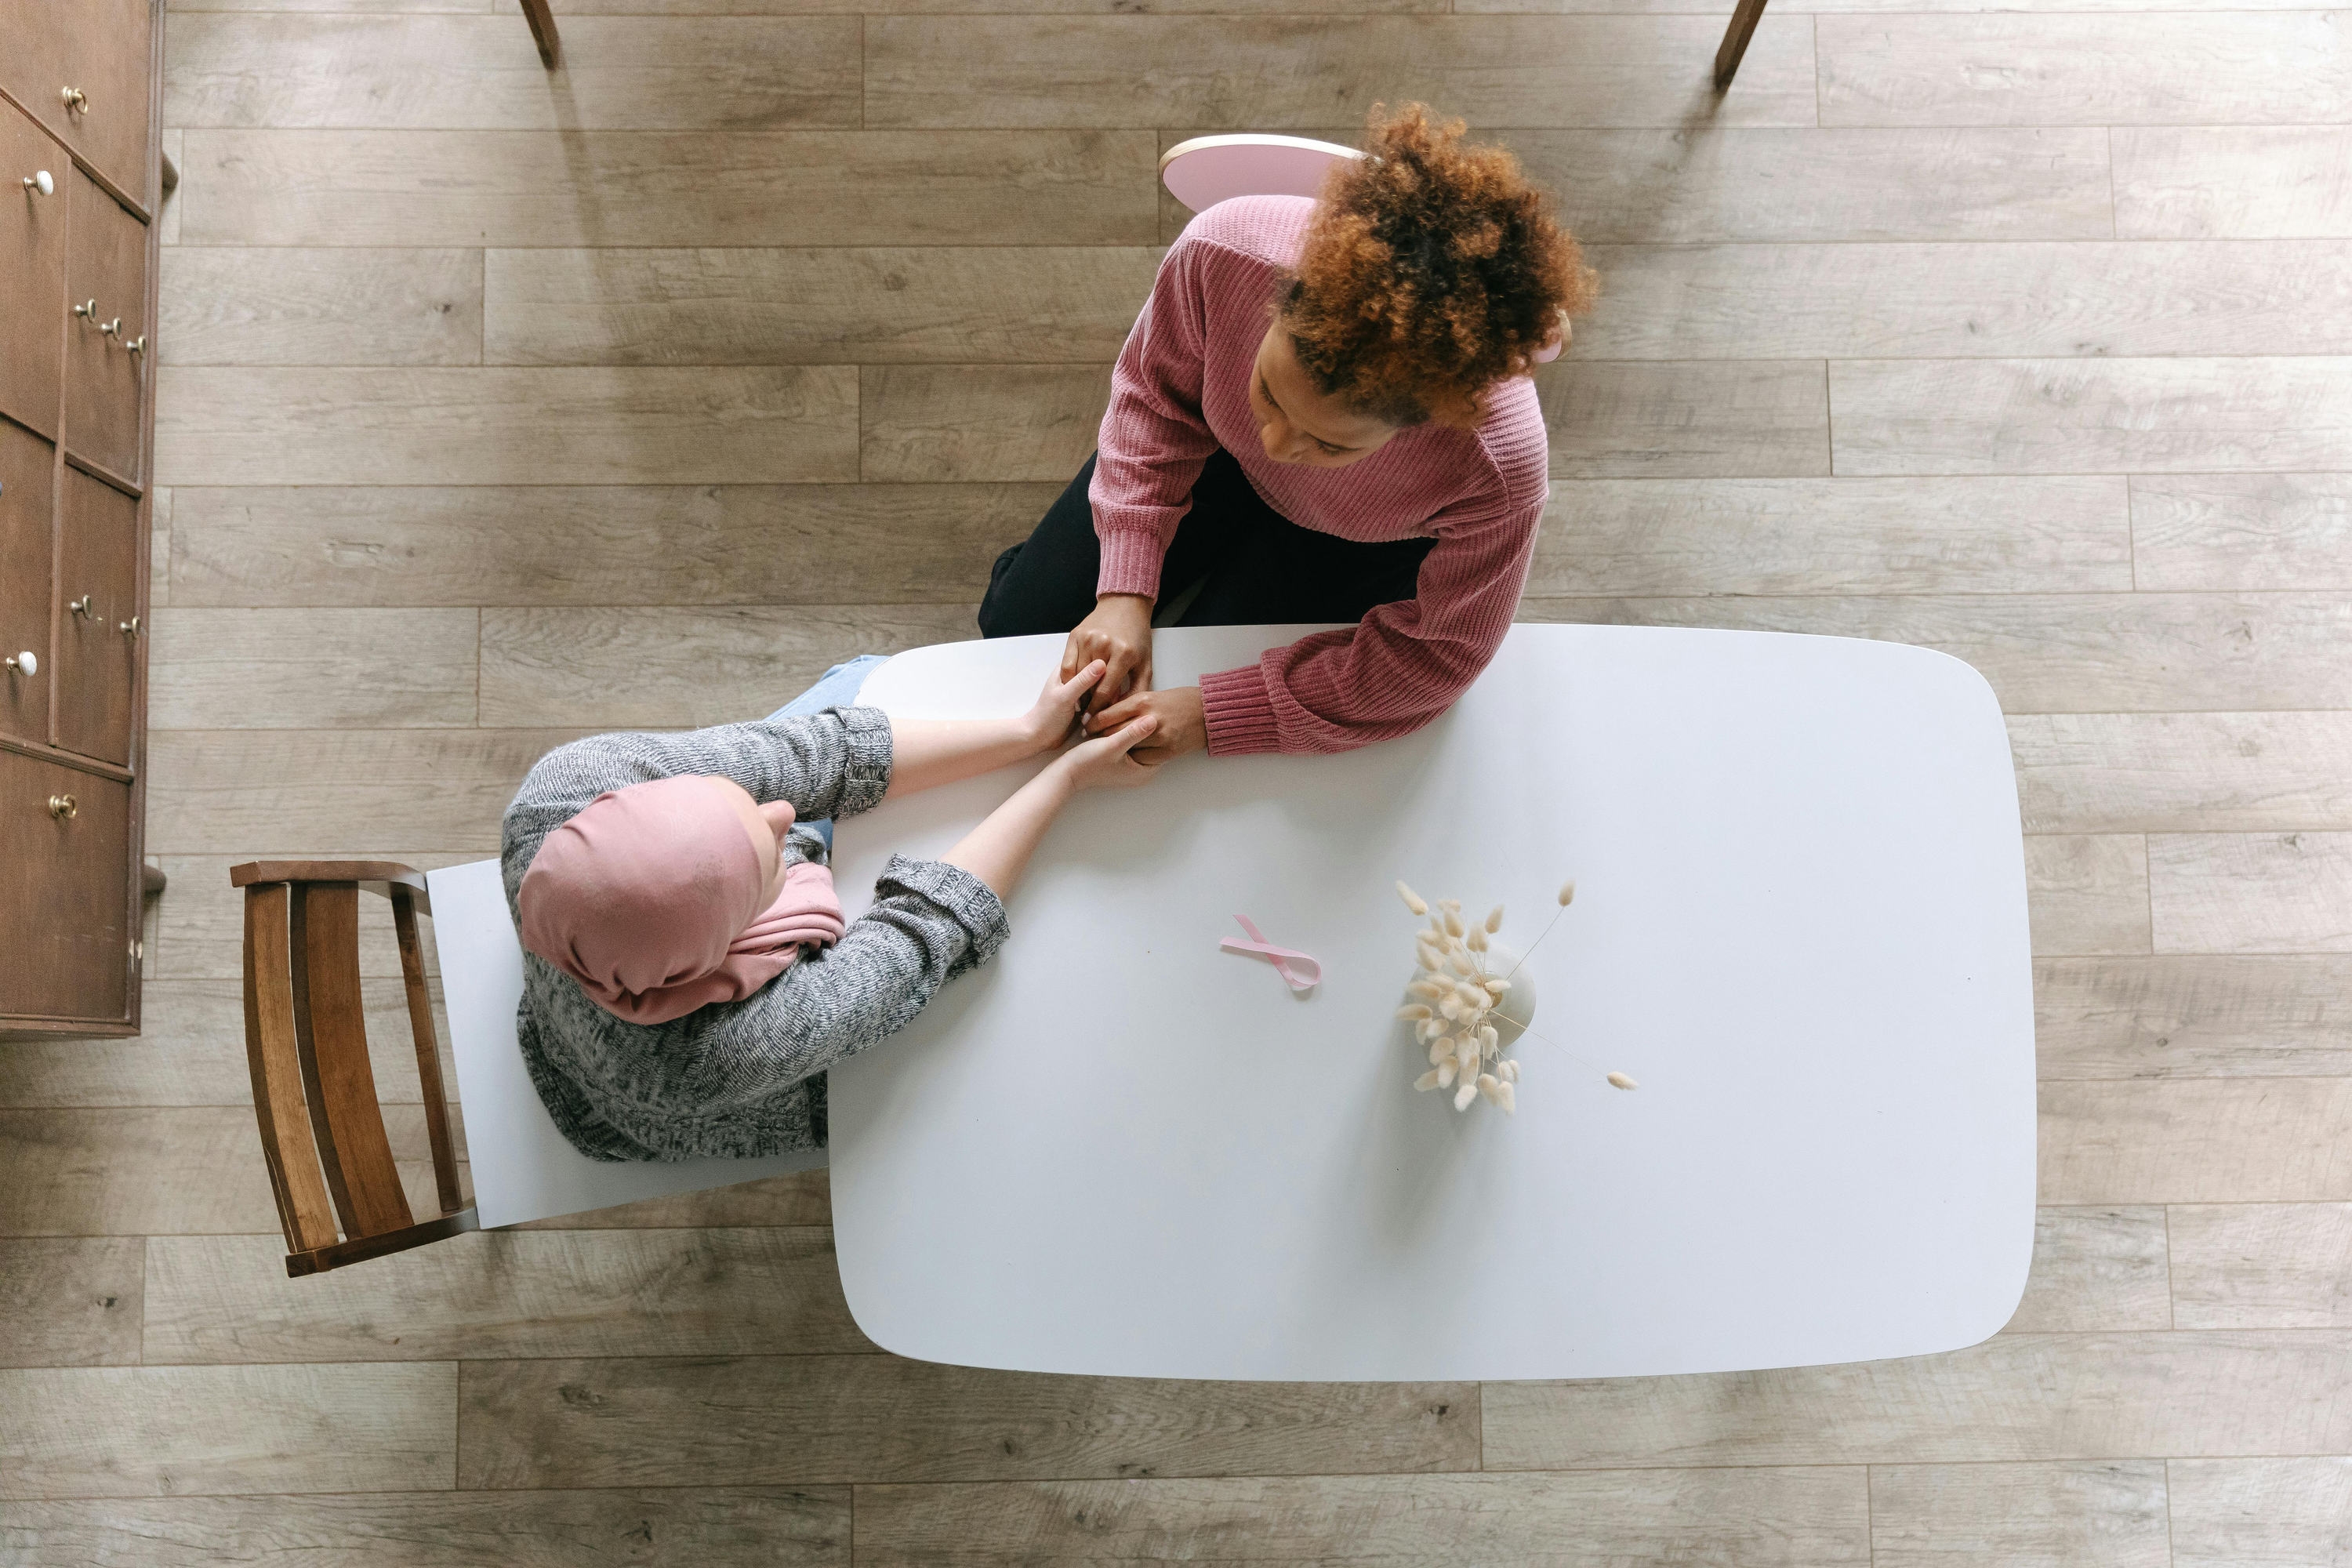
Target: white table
[{"x": 1800, "y": 924}]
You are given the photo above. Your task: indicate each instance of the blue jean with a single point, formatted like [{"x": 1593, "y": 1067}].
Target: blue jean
[{"x": 837, "y": 687}]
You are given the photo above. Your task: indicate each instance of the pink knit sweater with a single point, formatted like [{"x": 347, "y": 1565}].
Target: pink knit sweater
[{"x": 1181, "y": 390}]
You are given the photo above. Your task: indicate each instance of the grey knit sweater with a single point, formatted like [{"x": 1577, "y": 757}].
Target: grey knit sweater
[{"x": 739, "y": 1078}]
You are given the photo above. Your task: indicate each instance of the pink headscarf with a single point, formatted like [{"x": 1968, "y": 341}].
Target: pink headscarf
[{"x": 649, "y": 898}]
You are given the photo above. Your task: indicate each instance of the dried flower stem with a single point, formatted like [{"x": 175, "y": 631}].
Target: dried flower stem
[
  {"x": 1554, "y": 1044},
  {"x": 1530, "y": 952}
]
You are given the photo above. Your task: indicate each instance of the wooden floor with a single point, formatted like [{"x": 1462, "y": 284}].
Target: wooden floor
[{"x": 498, "y": 406}]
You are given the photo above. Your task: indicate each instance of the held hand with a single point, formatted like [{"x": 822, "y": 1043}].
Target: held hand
[
  {"x": 1117, "y": 632},
  {"x": 1180, "y": 726},
  {"x": 1109, "y": 761},
  {"x": 1047, "y": 724}
]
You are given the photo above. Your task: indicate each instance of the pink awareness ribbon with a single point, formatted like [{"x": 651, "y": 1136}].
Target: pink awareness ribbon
[{"x": 1298, "y": 970}]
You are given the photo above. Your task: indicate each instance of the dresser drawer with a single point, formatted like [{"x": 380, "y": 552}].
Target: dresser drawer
[
  {"x": 101, "y": 636},
  {"x": 33, "y": 66},
  {"x": 33, "y": 265},
  {"x": 82, "y": 68},
  {"x": 106, "y": 342},
  {"x": 65, "y": 941},
  {"x": 27, "y": 472}
]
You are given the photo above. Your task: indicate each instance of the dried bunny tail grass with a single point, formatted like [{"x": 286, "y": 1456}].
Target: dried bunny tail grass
[
  {"x": 1619, "y": 1080},
  {"x": 1461, "y": 995}
]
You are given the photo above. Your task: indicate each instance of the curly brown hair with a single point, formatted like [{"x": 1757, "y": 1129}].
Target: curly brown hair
[{"x": 1433, "y": 270}]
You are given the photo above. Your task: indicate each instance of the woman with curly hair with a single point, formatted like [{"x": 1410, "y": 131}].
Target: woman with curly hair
[{"x": 1322, "y": 413}]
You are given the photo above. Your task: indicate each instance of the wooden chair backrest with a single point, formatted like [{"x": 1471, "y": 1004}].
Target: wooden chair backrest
[{"x": 323, "y": 1135}]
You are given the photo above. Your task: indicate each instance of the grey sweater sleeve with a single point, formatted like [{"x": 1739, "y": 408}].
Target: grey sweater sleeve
[{"x": 727, "y": 1079}]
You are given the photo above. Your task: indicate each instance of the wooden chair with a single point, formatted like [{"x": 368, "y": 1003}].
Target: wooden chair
[
  {"x": 543, "y": 31},
  {"x": 1744, "y": 19},
  {"x": 314, "y": 1093}
]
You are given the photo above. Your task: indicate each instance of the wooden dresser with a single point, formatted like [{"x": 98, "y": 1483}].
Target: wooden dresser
[{"x": 79, "y": 185}]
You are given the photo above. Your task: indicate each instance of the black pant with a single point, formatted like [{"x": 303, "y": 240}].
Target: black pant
[{"x": 1261, "y": 568}]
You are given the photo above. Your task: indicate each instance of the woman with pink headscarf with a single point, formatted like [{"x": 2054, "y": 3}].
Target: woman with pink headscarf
[{"x": 688, "y": 975}]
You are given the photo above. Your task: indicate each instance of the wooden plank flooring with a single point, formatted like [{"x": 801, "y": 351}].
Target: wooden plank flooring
[{"x": 497, "y": 408}]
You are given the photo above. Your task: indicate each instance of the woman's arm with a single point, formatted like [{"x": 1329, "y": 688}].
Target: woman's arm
[
  {"x": 998, "y": 850},
  {"x": 1392, "y": 673},
  {"x": 1148, "y": 455},
  {"x": 1153, "y": 437},
  {"x": 928, "y": 753}
]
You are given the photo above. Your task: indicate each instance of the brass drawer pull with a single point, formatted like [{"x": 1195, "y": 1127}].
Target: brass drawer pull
[
  {"x": 75, "y": 99},
  {"x": 24, "y": 663},
  {"x": 39, "y": 181},
  {"x": 62, "y": 807},
  {"x": 80, "y": 608}
]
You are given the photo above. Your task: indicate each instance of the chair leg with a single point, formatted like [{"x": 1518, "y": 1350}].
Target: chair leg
[
  {"x": 543, "y": 31},
  {"x": 1727, "y": 59}
]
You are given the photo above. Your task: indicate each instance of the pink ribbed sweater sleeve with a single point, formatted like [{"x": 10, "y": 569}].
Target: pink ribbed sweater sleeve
[
  {"x": 1399, "y": 668},
  {"x": 1153, "y": 438}
]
